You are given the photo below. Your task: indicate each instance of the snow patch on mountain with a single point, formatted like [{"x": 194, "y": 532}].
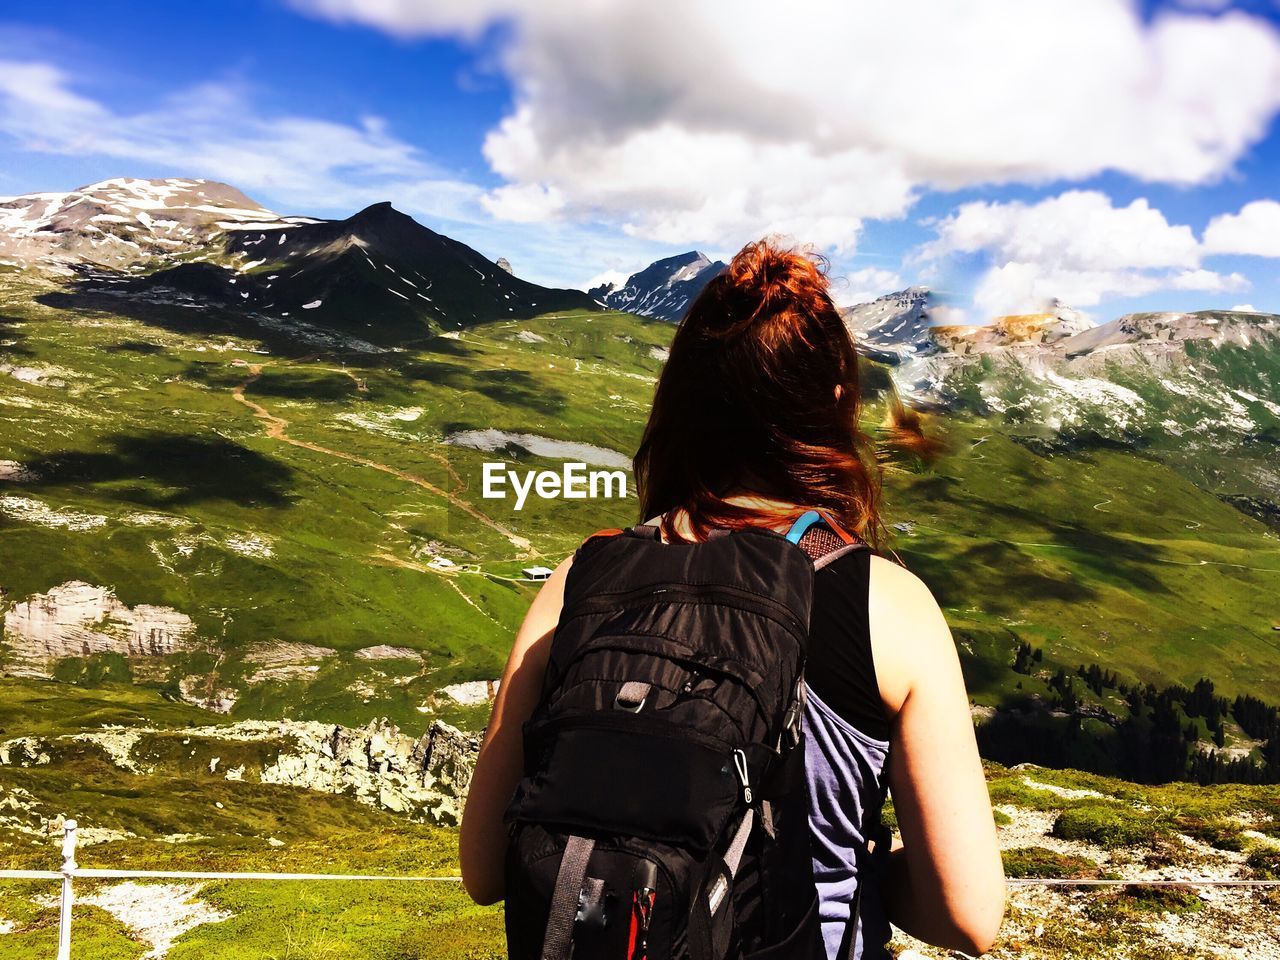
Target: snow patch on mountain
[
  {"x": 664, "y": 289},
  {"x": 124, "y": 222},
  {"x": 892, "y": 328}
]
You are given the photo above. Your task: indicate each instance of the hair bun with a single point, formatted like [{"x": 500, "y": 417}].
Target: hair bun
[{"x": 772, "y": 274}]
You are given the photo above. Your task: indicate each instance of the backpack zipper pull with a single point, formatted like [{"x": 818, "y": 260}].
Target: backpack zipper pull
[{"x": 740, "y": 764}]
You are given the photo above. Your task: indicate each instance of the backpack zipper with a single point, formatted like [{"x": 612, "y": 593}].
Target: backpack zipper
[
  {"x": 627, "y": 723},
  {"x": 744, "y": 776},
  {"x": 767, "y": 607},
  {"x": 746, "y": 679}
]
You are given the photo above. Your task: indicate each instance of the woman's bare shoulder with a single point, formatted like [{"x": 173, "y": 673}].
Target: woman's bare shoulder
[
  {"x": 909, "y": 634},
  {"x": 897, "y": 593}
]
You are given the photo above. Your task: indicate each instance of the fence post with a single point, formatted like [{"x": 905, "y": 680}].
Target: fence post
[{"x": 68, "y": 897}]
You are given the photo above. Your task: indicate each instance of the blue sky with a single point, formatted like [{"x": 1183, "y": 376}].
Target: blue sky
[{"x": 1116, "y": 156}]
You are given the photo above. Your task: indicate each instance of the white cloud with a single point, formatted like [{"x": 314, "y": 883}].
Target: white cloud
[
  {"x": 1076, "y": 247},
  {"x": 865, "y": 285},
  {"x": 293, "y": 163},
  {"x": 1255, "y": 230},
  {"x": 614, "y": 277},
  {"x": 1078, "y": 230},
  {"x": 1032, "y": 287},
  {"x": 215, "y": 130},
  {"x": 949, "y": 316},
  {"x": 687, "y": 120},
  {"x": 1209, "y": 281},
  {"x": 1014, "y": 287},
  {"x": 1244, "y": 308}
]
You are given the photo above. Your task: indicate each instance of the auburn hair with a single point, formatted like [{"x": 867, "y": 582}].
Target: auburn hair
[{"x": 760, "y": 395}]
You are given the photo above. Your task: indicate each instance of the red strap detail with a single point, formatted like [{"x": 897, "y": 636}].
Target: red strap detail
[
  {"x": 609, "y": 532},
  {"x": 838, "y": 530},
  {"x": 635, "y": 925},
  {"x": 641, "y": 917}
]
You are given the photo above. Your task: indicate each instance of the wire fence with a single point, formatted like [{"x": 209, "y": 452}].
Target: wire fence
[{"x": 71, "y": 871}]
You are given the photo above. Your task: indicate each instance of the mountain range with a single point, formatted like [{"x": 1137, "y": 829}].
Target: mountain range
[
  {"x": 203, "y": 251},
  {"x": 664, "y": 289},
  {"x": 200, "y": 244},
  {"x": 1199, "y": 390}
]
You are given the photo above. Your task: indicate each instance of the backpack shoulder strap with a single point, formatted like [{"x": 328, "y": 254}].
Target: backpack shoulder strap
[
  {"x": 802, "y": 524},
  {"x": 813, "y": 517},
  {"x": 824, "y": 540},
  {"x": 643, "y": 531},
  {"x": 647, "y": 531}
]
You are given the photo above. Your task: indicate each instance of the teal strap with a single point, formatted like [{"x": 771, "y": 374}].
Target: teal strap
[{"x": 806, "y": 520}]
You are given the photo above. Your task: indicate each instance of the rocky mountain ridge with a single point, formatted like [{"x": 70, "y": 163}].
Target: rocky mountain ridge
[
  {"x": 202, "y": 245},
  {"x": 125, "y": 223},
  {"x": 1057, "y": 323},
  {"x": 78, "y": 619},
  {"x": 1062, "y": 344},
  {"x": 662, "y": 290},
  {"x": 928, "y": 358},
  {"x": 893, "y": 327}
]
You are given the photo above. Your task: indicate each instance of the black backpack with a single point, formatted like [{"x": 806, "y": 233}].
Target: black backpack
[{"x": 662, "y": 814}]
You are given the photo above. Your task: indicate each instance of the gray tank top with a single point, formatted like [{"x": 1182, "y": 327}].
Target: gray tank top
[{"x": 845, "y": 774}]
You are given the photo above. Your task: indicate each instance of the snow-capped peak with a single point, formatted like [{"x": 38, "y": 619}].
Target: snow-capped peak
[
  {"x": 122, "y": 221},
  {"x": 664, "y": 289}
]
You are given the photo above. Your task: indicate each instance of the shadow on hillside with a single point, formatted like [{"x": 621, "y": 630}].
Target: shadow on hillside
[
  {"x": 11, "y": 338},
  {"x": 166, "y": 470},
  {"x": 209, "y": 320},
  {"x": 435, "y": 371},
  {"x": 134, "y": 346},
  {"x": 447, "y": 347},
  {"x": 996, "y": 576},
  {"x": 1110, "y": 557},
  {"x": 214, "y": 373},
  {"x": 303, "y": 384},
  {"x": 938, "y": 487},
  {"x": 518, "y": 388}
]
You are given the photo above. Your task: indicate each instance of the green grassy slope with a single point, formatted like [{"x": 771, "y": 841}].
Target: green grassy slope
[
  {"x": 1100, "y": 556},
  {"x": 148, "y": 424}
]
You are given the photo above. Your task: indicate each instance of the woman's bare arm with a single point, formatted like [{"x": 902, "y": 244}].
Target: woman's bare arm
[
  {"x": 946, "y": 881},
  {"x": 482, "y": 842}
]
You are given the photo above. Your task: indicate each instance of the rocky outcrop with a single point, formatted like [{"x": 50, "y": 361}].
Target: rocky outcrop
[
  {"x": 78, "y": 619},
  {"x": 471, "y": 692},
  {"x": 384, "y": 651},
  {"x": 1027, "y": 330},
  {"x": 423, "y": 778},
  {"x": 204, "y": 692}
]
